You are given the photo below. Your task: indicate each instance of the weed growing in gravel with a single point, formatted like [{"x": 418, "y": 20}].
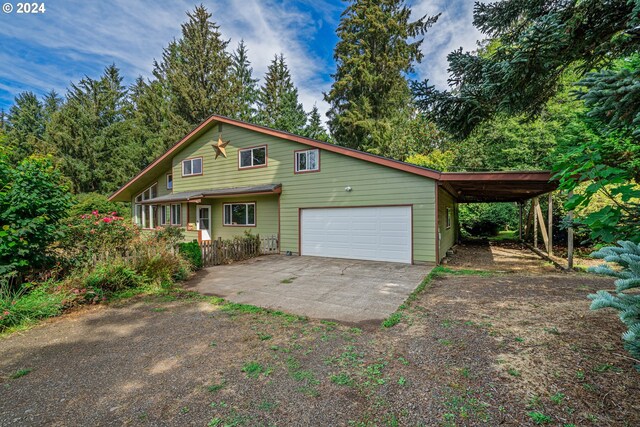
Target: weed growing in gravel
[
  {"x": 255, "y": 369},
  {"x": 513, "y": 372},
  {"x": 20, "y": 373},
  {"x": 264, "y": 336},
  {"x": 606, "y": 367},
  {"x": 392, "y": 320},
  {"x": 465, "y": 407},
  {"x": 184, "y": 410},
  {"x": 214, "y": 388},
  {"x": 539, "y": 418},
  {"x": 557, "y": 398},
  {"x": 342, "y": 379},
  {"x": 267, "y": 406},
  {"x": 288, "y": 280},
  {"x": 402, "y": 381}
]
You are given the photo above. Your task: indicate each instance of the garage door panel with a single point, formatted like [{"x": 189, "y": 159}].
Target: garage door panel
[{"x": 373, "y": 233}]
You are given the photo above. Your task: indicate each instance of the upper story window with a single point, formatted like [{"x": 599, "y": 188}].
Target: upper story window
[
  {"x": 252, "y": 157},
  {"x": 191, "y": 167},
  {"x": 149, "y": 193},
  {"x": 307, "y": 160},
  {"x": 169, "y": 181}
]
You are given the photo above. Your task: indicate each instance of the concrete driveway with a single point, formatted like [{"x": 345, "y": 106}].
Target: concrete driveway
[{"x": 321, "y": 288}]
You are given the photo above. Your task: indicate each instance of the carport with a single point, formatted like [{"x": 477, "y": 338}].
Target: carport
[{"x": 524, "y": 188}]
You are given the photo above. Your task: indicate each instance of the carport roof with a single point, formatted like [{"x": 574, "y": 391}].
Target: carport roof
[
  {"x": 471, "y": 187},
  {"x": 187, "y": 196}
]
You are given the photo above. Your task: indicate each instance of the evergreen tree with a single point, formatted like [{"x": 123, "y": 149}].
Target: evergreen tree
[
  {"x": 97, "y": 143},
  {"x": 26, "y": 125},
  {"x": 627, "y": 272},
  {"x": 247, "y": 86},
  {"x": 314, "y": 128},
  {"x": 278, "y": 105},
  {"x": 370, "y": 95},
  {"x": 196, "y": 71}
]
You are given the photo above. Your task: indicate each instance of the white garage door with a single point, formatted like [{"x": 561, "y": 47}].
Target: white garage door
[{"x": 378, "y": 233}]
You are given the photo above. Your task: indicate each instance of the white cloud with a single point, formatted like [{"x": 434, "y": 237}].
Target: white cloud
[{"x": 453, "y": 30}]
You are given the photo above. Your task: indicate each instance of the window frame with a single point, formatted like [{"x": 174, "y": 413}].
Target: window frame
[
  {"x": 173, "y": 216},
  {"x": 448, "y": 218},
  {"x": 266, "y": 157},
  {"x": 191, "y": 159},
  {"x": 145, "y": 209},
  {"x": 255, "y": 214},
  {"x": 164, "y": 218},
  {"x": 170, "y": 174},
  {"x": 306, "y": 151}
]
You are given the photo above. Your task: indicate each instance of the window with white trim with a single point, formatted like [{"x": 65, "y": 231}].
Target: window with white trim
[
  {"x": 146, "y": 216},
  {"x": 308, "y": 160},
  {"x": 448, "y": 220},
  {"x": 169, "y": 181},
  {"x": 192, "y": 167},
  {"x": 240, "y": 214},
  {"x": 252, "y": 157},
  {"x": 176, "y": 214}
]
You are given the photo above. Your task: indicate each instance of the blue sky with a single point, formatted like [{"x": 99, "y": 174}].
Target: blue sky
[{"x": 77, "y": 38}]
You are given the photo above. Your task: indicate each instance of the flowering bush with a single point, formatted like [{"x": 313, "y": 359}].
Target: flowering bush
[{"x": 95, "y": 234}]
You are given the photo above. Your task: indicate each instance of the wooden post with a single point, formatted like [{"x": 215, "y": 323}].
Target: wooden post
[
  {"x": 534, "y": 203},
  {"x": 550, "y": 226},
  {"x": 570, "y": 239},
  {"x": 520, "y": 205},
  {"x": 543, "y": 228}
]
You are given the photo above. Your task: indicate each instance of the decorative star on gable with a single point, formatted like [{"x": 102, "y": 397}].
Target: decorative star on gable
[{"x": 220, "y": 147}]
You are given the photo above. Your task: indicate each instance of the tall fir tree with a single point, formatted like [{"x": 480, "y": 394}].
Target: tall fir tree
[
  {"x": 378, "y": 47},
  {"x": 278, "y": 104},
  {"x": 247, "y": 86},
  {"x": 196, "y": 71},
  {"x": 95, "y": 138},
  {"x": 26, "y": 126},
  {"x": 314, "y": 128}
]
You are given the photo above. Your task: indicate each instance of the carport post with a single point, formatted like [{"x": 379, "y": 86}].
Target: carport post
[
  {"x": 570, "y": 239},
  {"x": 520, "y": 205},
  {"x": 550, "y": 223},
  {"x": 534, "y": 203}
]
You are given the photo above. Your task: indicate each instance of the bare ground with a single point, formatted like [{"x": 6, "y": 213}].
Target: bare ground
[{"x": 499, "y": 348}]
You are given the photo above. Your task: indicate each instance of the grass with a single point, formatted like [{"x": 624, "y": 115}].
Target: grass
[
  {"x": 288, "y": 280},
  {"x": 392, "y": 320},
  {"x": 20, "y": 373},
  {"x": 539, "y": 418},
  {"x": 214, "y": 388},
  {"x": 233, "y": 308},
  {"x": 255, "y": 369},
  {"x": 505, "y": 236}
]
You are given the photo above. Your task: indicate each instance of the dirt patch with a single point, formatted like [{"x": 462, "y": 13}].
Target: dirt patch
[{"x": 471, "y": 350}]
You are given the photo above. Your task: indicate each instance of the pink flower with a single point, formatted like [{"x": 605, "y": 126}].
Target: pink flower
[
  {"x": 6, "y": 313},
  {"x": 95, "y": 212},
  {"x": 107, "y": 219},
  {"x": 113, "y": 213}
]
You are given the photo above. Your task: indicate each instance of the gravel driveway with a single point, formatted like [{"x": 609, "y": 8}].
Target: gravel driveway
[{"x": 471, "y": 350}]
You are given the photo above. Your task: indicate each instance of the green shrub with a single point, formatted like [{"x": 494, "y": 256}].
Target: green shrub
[
  {"x": 113, "y": 276},
  {"x": 86, "y": 203},
  {"x": 192, "y": 253},
  {"x": 29, "y": 304},
  {"x": 161, "y": 265}
]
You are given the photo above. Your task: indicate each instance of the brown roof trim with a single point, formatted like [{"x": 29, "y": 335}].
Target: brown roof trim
[
  {"x": 544, "y": 176},
  {"x": 395, "y": 164}
]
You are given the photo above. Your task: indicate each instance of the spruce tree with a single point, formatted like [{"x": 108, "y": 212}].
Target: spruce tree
[
  {"x": 196, "y": 71},
  {"x": 378, "y": 47},
  {"x": 625, "y": 300},
  {"x": 278, "y": 105},
  {"x": 247, "y": 86}
]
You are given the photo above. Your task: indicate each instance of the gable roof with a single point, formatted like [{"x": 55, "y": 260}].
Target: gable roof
[{"x": 384, "y": 161}]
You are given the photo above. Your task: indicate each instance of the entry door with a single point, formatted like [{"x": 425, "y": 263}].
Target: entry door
[
  {"x": 372, "y": 233},
  {"x": 203, "y": 218}
]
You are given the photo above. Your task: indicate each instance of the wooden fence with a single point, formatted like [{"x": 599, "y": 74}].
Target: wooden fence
[{"x": 216, "y": 252}]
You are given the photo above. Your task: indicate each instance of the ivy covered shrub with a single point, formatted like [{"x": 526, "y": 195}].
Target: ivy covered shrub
[
  {"x": 626, "y": 299},
  {"x": 86, "y": 203}
]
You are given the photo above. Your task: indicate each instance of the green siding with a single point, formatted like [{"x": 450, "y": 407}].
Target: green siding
[
  {"x": 448, "y": 236},
  {"x": 372, "y": 185}
]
